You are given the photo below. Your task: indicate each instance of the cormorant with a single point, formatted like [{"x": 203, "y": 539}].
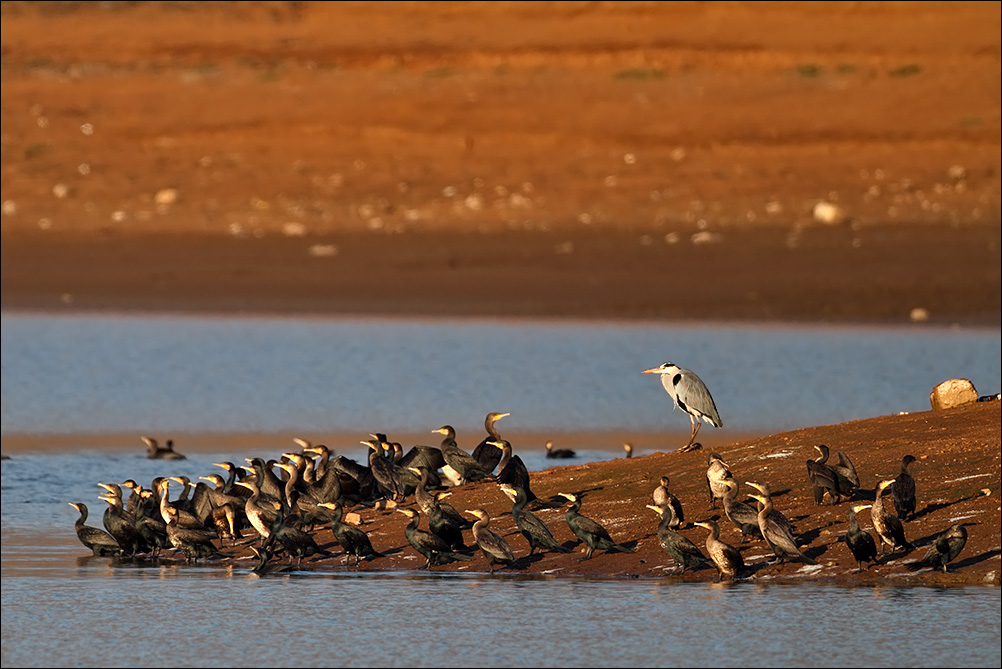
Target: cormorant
[
  {"x": 393, "y": 452},
  {"x": 558, "y": 452},
  {"x": 353, "y": 540},
  {"x": 903, "y": 490},
  {"x": 327, "y": 483},
  {"x": 260, "y": 514},
  {"x": 265, "y": 567},
  {"x": 135, "y": 500},
  {"x": 384, "y": 472},
  {"x": 150, "y": 523},
  {"x": 300, "y": 507},
  {"x": 227, "y": 509},
  {"x": 269, "y": 484},
  {"x": 450, "y": 511},
  {"x": 486, "y": 452},
  {"x": 532, "y": 528},
  {"x": 944, "y": 549},
  {"x": 231, "y": 478},
  {"x": 429, "y": 457},
  {"x": 122, "y": 527},
  {"x": 775, "y": 514},
  {"x": 888, "y": 527},
  {"x": 194, "y": 543},
  {"x": 495, "y": 547},
  {"x": 779, "y": 538},
  {"x": 860, "y": 543},
  {"x": 847, "y": 470},
  {"x": 199, "y": 504},
  {"x": 716, "y": 472},
  {"x": 743, "y": 516},
  {"x": 587, "y": 530},
  {"x": 663, "y": 497},
  {"x": 824, "y": 478},
  {"x": 443, "y": 525},
  {"x": 725, "y": 557},
  {"x": 683, "y": 552},
  {"x": 434, "y": 550},
  {"x": 462, "y": 462},
  {"x": 185, "y": 518},
  {"x": 297, "y": 543},
  {"x": 512, "y": 470},
  {"x": 156, "y": 452},
  {"x": 357, "y": 482},
  {"x": 101, "y": 543}
]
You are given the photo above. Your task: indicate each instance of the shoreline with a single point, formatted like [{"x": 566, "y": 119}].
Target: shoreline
[{"x": 644, "y": 442}]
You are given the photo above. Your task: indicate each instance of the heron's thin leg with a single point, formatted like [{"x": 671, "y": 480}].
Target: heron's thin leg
[{"x": 695, "y": 428}]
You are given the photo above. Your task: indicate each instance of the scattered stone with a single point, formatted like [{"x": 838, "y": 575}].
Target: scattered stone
[
  {"x": 474, "y": 202},
  {"x": 322, "y": 250},
  {"x": 706, "y": 237},
  {"x": 829, "y": 213},
  {"x": 953, "y": 393},
  {"x": 9, "y": 207},
  {"x": 61, "y": 191},
  {"x": 166, "y": 196},
  {"x": 293, "y": 229}
]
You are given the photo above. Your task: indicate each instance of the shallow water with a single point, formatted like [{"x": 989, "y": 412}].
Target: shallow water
[
  {"x": 62, "y": 610},
  {"x": 148, "y": 374}
]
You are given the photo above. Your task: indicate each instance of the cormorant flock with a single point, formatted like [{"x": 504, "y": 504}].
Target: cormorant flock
[{"x": 276, "y": 507}]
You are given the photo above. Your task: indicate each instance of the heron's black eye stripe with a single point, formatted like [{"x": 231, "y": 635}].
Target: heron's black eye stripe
[{"x": 676, "y": 379}]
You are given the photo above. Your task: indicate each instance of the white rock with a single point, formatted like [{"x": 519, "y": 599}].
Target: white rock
[
  {"x": 952, "y": 393},
  {"x": 829, "y": 213},
  {"x": 706, "y": 237},
  {"x": 956, "y": 172},
  {"x": 166, "y": 196}
]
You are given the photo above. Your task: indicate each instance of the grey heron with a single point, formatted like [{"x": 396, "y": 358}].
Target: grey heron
[{"x": 690, "y": 395}]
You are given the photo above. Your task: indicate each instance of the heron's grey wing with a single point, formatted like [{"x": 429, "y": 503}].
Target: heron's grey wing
[{"x": 693, "y": 397}]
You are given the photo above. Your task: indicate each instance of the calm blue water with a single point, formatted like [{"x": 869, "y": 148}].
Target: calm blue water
[
  {"x": 100, "y": 373},
  {"x": 69, "y": 374},
  {"x": 65, "y": 611}
]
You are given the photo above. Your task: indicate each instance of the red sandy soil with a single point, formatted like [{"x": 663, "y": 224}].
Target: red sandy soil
[
  {"x": 957, "y": 476},
  {"x": 620, "y": 160},
  {"x": 623, "y": 160}
]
